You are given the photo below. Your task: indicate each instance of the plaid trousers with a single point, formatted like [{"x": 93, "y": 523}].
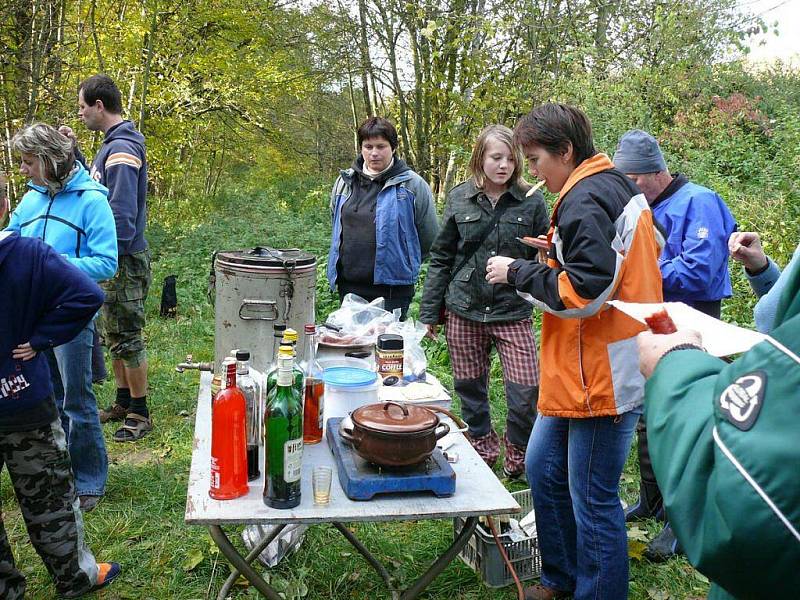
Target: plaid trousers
[{"x": 470, "y": 344}]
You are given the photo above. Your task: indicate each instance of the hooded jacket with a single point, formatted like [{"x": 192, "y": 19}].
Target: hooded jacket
[
  {"x": 603, "y": 247},
  {"x": 47, "y": 302},
  {"x": 77, "y": 222},
  {"x": 121, "y": 166},
  {"x": 724, "y": 444},
  {"x": 467, "y": 293},
  {"x": 405, "y": 225}
]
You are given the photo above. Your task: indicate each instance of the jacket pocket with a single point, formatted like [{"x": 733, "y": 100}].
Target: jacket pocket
[
  {"x": 459, "y": 292},
  {"x": 469, "y": 226},
  {"x": 516, "y": 225}
]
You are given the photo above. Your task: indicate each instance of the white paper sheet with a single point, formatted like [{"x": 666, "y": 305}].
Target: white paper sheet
[{"x": 719, "y": 338}]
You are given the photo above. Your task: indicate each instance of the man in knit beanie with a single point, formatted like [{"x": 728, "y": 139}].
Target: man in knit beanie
[{"x": 694, "y": 270}]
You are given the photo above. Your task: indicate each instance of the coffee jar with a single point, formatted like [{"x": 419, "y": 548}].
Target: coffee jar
[{"x": 389, "y": 355}]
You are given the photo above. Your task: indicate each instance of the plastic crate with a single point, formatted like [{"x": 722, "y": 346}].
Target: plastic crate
[{"x": 481, "y": 552}]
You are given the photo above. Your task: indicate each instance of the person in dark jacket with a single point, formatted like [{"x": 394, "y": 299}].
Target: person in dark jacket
[
  {"x": 121, "y": 165},
  {"x": 477, "y": 314},
  {"x": 603, "y": 247},
  {"x": 384, "y": 222},
  {"x": 694, "y": 270},
  {"x": 45, "y": 302}
]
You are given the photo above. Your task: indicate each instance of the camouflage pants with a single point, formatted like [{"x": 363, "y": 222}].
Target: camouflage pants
[
  {"x": 123, "y": 310},
  {"x": 39, "y": 466}
]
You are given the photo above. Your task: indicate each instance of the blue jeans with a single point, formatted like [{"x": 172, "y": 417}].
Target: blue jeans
[
  {"x": 71, "y": 374},
  {"x": 573, "y": 467}
]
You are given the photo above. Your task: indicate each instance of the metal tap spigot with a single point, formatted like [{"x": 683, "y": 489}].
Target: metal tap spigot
[{"x": 190, "y": 364}]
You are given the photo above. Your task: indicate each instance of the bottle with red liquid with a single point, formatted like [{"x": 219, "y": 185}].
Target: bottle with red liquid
[
  {"x": 313, "y": 388},
  {"x": 228, "y": 438}
]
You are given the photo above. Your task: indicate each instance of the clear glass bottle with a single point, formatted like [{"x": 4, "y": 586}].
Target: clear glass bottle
[
  {"x": 313, "y": 388},
  {"x": 252, "y": 395},
  {"x": 284, "y": 432}
]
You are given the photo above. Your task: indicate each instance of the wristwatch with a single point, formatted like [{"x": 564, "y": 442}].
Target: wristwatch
[{"x": 686, "y": 346}]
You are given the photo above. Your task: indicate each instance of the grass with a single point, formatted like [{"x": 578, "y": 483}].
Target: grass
[{"x": 140, "y": 521}]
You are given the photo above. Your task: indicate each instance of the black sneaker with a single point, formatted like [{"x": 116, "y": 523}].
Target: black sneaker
[{"x": 664, "y": 546}]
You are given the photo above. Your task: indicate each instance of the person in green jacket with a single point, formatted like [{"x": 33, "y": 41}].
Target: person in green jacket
[{"x": 726, "y": 451}]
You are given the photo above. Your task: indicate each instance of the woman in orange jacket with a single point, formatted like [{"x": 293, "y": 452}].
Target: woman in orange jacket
[{"x": 601, "y": 246}]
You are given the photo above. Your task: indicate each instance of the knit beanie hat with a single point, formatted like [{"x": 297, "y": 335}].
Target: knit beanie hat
[{"x": 638, "y": 152}]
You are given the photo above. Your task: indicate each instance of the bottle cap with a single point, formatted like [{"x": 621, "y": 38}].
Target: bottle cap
[
  {"x": 285, "y": 351},
  {"x": 290, "y": 335},
  {"x": 242, "y": 355},
  {"x": 278, "y": 330},
  {"x": 310, "y": 328}
]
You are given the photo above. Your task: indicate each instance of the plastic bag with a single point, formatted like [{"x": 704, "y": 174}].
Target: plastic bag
[
  {"x": 357, "y": 322},
  {"x": 287, "y": 542},
  {"x": 415, "y": 363}
]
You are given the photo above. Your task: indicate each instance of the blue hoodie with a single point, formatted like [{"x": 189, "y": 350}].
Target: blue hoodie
[
  {"x": 121, "y": 166},
  {"x": 46, "y": 302},
  {"x": 77, "y": 222}
]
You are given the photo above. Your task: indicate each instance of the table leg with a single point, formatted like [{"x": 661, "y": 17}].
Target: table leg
[
  {"x": 257, "y": 549},
  {"x": 435, "y": 569},
  {"x": 356, "y": 543},
  {"x": 441, "y": 563},
  {"x": 240, "y": 564}
]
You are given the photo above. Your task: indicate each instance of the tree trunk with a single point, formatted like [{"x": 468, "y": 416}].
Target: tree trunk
[
  {"x": 363, "y": 47},
  {"x": 148, "y": 61},
  {"x": 354, "y": 111},
  {"x": 100, "y": 63},
  {"x": 391, "y": 45}
]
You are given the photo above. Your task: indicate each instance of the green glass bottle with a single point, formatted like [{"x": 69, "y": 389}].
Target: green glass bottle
[
  {"x": 284, "y": 433},
  {"x": 289, "y": 339}
]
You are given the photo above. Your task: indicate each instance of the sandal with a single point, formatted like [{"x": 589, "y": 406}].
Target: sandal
[{"x": 134, "y": 428}]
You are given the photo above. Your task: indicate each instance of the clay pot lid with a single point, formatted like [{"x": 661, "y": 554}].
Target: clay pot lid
[{"x": 393, "y": 417}]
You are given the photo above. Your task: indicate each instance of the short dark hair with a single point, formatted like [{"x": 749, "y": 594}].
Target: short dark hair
[
  {"x": 102, "y": 87},
  {"x": 553, "y": 126},
  {"x": 378, "y": 127}
]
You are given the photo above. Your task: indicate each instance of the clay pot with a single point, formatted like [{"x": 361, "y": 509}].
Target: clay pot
[{"x": 390, "y": 434}]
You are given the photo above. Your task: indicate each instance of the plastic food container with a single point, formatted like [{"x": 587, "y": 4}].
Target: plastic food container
[{"x": 346, "y": 389}]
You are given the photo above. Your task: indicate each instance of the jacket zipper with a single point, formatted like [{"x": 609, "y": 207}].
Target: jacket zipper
[
  {"x": 580, "y": 366},
  {"x": 47, "y": 217}
]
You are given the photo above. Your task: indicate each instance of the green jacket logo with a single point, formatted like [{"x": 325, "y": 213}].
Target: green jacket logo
[{"x": 742, "y": 400}]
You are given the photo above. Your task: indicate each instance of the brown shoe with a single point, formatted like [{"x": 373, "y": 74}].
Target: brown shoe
[
  {"x": 542, "y": 592},
  {"x": 113, "y": 413}
]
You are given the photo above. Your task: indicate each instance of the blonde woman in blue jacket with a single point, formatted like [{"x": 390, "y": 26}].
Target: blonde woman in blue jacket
[{"x": 68, "y": 210}]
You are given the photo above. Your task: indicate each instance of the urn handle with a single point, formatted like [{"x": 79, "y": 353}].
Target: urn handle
[{"x": 262, "y": 310}]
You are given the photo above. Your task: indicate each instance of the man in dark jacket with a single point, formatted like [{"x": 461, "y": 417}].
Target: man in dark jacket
[
  {"x": 694, "y": 270},
  {"x": 121, "y": 166},
  {"x": 45, "y": 302}
]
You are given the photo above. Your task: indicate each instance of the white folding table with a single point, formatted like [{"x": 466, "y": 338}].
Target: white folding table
[{"x": 478, "y": 492}]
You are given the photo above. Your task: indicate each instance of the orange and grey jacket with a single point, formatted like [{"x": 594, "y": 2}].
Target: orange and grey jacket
[{"x": 603, "y": 247}]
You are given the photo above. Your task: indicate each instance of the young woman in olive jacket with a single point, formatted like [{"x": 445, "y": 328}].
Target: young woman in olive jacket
[{"x": 477, "y": 314}]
